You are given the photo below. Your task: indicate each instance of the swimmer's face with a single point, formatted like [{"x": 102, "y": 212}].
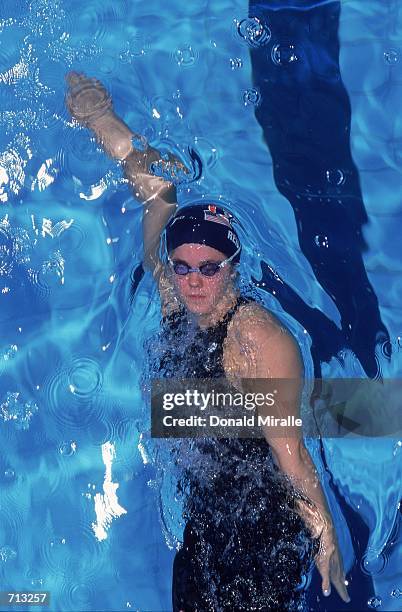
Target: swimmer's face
[{"x": 201, "y": 294}]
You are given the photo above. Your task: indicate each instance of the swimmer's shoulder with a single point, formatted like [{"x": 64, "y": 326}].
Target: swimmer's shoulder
[
  {"x": 251, "y": 318},
  {"x": 258, "y": 344}
]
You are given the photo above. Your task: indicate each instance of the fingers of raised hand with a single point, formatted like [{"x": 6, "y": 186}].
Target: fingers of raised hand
[{"x": 86, "y": 98}]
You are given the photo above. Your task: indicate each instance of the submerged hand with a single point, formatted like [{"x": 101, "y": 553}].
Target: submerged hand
[
  {"x": 328, "y": 559},
  {"x": 329, "y": 563}
]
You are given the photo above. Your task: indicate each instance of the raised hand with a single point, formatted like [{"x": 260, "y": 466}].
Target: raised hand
[{"x": 86, "y": 99}]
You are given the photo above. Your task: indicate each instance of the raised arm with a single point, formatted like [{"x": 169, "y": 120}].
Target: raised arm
[{"x": 90, "y": 104}]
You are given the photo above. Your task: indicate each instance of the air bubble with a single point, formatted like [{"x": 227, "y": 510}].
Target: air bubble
[
  {"x": 67, "y": 448},
  {"x": 396, "y": 593},
  {"x": 397, "y": 448},
  {"x": 386, "y": 349},
  {"x": 335, "y": 176},
  {"x": 254, "y": 32},
  {"x": 282, "y": 54},
  {"x": 321, "y": 241},
  {"x": 9, "y": 474},
  {"x": 374, "y": 602},
  {"x": 391, "y": 57},
  {"x": 7, "y": 553},
  {"x": 252, "y": 97},
  {"x": 236, "y": 63},
  {"x": 185, "y": 56},
  {"x": 373, "y": 564},
  {"x": 9, "y": 353}
]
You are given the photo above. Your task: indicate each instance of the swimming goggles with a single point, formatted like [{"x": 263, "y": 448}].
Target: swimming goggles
[{"x": 206, "y": 269}]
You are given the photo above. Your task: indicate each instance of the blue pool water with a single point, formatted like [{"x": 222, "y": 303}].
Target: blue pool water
[{"x": 73, "y": 421}]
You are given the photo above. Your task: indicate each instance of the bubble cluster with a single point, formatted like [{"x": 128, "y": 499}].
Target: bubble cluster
[
  {"x": 13, "y": 408},
  {"x": 374, "y": 602},
  {"x": 321, "y": 241},
  {"x": 254, "y": 32},
  {"x": 236, "y": 63},
  {"x": 7, "y": 553}
]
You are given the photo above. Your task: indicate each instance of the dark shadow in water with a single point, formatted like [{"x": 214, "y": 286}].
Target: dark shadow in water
[
  {"x": 305, "y": 114},
  {"x": 326, "y": 338},
  {"x": 135, "y": 278}
]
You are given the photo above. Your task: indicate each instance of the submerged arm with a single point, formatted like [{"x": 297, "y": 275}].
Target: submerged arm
[{"x": 274, "y": 354}]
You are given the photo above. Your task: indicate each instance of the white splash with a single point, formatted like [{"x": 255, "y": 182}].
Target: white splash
[
  {"x": 95, "y": 192},
  {"x": 14, "y": 74},
  {"x": 107, "y": 506},
  {"x": 12, "y": 166},
  {"x": 45, "y": 177},
  {"x": 142, "y": 450}
]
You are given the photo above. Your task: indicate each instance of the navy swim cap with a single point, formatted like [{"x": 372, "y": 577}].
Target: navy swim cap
[{"x": 203, "y": 224}]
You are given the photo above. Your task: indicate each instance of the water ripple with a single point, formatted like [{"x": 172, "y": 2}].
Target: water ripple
[
  {"x": 11, "y": 519},
  {"x": 206, "y": 150},
  {"x": 83, "y": 158},
  {"x": 55, "y": 554},
  {"x": 373, "y": 565},
  {"x": 73, "y": 238},
  {"x": 6, "y": 249},
  {"x": 136, "y": 44},
  {"x": 85, "y": 378},
  {"x": 73, "y": 394},
  {"x": 39, "y": 285}
]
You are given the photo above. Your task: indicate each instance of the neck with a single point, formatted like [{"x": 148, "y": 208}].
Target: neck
[{"x": 222, "y": 307}]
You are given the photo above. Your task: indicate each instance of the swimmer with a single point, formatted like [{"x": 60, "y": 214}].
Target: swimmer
[{"x": 237, "y": 339}]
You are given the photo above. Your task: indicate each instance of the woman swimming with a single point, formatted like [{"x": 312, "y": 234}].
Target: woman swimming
[{"x": 249, "y": 535}]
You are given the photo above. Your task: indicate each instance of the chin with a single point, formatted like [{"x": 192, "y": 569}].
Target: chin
[{"x": 198, "y": 308}]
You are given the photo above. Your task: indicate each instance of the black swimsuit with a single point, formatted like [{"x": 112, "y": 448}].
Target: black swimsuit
[{"x": 244, "y": 546}]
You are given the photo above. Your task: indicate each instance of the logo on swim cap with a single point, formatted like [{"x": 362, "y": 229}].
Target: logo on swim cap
[
  {"x": 233, "y": 238},
  {"x": 210, "y": 214}
]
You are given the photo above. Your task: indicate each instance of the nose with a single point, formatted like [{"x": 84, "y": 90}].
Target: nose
[{"x": 194, "y": 279}]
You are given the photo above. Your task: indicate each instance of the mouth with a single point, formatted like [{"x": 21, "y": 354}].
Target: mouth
[{"x": 196, "y": 297}]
